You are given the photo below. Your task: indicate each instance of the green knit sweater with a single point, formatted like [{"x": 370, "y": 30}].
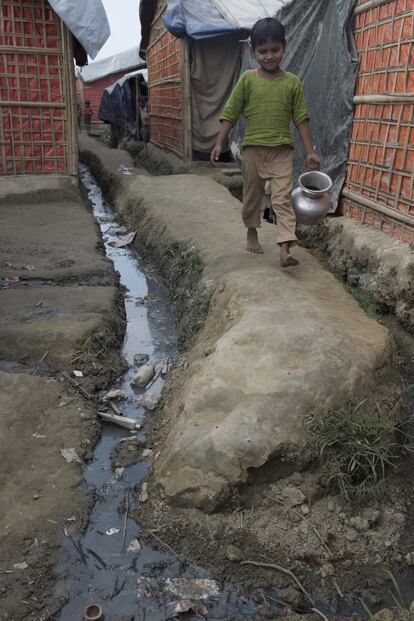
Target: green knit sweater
[{"x": 269, "y": 107}]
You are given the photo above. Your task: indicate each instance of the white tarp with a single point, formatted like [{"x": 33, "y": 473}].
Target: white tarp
[
  {"x": 124, "y": 61},
  {"x": 200, "y": 19},
  {"x": 245, "y": 13},
  {"x": 87, "y": 21}
]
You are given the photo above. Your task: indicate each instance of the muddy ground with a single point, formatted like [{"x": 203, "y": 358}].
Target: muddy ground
[
  {"x": 339, "y": 551},
  {"x": 59, "y": 310}
]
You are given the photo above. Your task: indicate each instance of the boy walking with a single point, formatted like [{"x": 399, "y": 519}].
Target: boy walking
[{"x": 270, "y": 99}]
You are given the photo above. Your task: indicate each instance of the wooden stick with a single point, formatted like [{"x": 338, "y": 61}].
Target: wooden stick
[
  {"x": 154, "y": 379},
  {"x": 288, "y": 572},
  {"x": 76, "y": 385},
  {"x": 125, "y": 519},
  {"x": 152, "y": 533}
]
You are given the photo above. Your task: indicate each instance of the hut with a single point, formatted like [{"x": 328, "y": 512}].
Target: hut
[
  {"x": 358, "y": 77},
  {"x": 379, "y": 187},
  {"x": 38, "y": 41},
  {"x": 96, "y": 77}
]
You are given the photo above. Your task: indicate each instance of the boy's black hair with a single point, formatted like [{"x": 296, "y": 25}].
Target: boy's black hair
[{"x": 267, "y": 29}]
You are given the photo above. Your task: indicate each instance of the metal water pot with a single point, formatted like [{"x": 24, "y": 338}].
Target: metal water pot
[{"x": 311, "y": 200}]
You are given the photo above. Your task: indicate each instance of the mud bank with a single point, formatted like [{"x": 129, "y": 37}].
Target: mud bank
[
  {"x": 59, "y": 312},
  {"x": 371, "y": 261},
  {"x": 276, "y": 344}
]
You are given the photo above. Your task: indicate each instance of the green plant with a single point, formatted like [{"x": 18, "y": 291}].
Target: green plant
[
  {"x": 367, "y": 302},
  {"x": 357, "y": 446},
  {"x": 401, "y": 607}
]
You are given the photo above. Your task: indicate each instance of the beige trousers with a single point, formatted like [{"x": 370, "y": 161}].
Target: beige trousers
[{"x": 274, "y": 164}]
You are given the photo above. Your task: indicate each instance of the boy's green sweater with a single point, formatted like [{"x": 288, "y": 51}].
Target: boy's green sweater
[{"x": 269, "y": 107}]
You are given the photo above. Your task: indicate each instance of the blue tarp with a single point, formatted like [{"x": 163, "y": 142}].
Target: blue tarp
[{"x": 200, "y": 19}]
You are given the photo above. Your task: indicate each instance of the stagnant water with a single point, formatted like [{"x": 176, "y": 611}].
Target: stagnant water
[{"x": 99, "y": 568}]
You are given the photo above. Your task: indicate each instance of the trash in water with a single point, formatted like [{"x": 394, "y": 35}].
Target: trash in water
[
  {"x": 116, "y": 230},
  {"x": 140, "y": 359},
  {"x": 114, "y": 394},
  {"x": 134, "y": 546},
  {"x": 143, "y": 376},
  {"x": 122, "y": 421},
  {"x": 112, "y": 531},
  {"x": 186, "y": 605},
  {"x": 124, "y": 170},
  {"x": 78, "y": 373},
  {"x": 181, "y": 588},
  {"x": 149, "y": 401},
  {"x": 20, "y": 565},
  {"x": 70, "y": 455},
  {"x": 123, "y": 241},
  {"x": 93, "y": 612},
  {"x": 143, "y": 497}
]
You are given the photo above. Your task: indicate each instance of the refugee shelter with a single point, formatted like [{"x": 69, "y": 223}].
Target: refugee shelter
[
  {"x": 97, "y": 76},
  {"x": 356, "y": 60},
  {"x": 193, "y": 53},
  {"x": 119, "y": 105},
  {"x": 38, "y": 42},
  {"x": 379, "y": 188}
]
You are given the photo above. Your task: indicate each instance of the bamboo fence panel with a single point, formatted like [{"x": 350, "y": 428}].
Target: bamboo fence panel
[
  {"x": 379, "y": 188},
  {"x": 36, "y": 96}
]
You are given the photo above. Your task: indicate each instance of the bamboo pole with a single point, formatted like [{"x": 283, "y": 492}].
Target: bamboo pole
[
  {"x": 70, "y": 98},
  {"x": 384, "y": 99},
  {"x": 370, "y": 4},
  {"x": 378, "y": 207},
  {"x": 186, "y": 99},
  {"x": 33, "y": 104}
]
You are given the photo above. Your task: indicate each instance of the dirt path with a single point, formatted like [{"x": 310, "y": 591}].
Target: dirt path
[{"x": 57, "y": 301}]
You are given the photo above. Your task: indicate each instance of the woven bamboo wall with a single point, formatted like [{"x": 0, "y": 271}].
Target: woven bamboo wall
[
  {"x": 164, "y": 60},
  {"x": 380, "y": 177},
  {"x": 37, "y": 116}
]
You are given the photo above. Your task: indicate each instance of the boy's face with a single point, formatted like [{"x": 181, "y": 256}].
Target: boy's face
[{"x": 269, "y": 55}]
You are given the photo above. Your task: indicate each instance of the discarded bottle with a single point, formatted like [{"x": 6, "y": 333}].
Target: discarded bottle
[
  {"x": 143, "y": 375},
  {"x": 122, "y": 421}
]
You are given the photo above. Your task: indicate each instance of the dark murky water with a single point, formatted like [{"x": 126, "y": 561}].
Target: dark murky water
[{"x": 99, "y": 567}]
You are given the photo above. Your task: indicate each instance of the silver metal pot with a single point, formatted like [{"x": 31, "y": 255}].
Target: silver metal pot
[{"x": 311, "y": 200}]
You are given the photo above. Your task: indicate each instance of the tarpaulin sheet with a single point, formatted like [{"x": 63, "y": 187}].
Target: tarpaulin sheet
[
  {"x": 200, "y": 19},
  {"x": 321, "y": 51},
  {"x": 117, "y": 105},
  {"x": 87, "y": 21},
  {"x": 124, "y": 61}
]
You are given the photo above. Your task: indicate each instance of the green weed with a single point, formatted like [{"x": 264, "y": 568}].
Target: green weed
[
  {"x": 367, "y": 302},
  {"x": 401, "y": 607},
  {"x": 357, "y": 446}
]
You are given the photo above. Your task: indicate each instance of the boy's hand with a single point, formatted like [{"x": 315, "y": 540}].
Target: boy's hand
[
  {"x": 215, "y": 154},
  {"x": 313, "y": 162}
]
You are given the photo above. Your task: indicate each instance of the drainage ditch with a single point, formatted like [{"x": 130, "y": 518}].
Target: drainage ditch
[{"x": 112, "y": 563}]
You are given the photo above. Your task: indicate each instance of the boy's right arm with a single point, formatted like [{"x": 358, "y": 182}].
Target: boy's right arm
[
  {"x": 221, "y": 141},
  {"x": 232, "y": 110}
]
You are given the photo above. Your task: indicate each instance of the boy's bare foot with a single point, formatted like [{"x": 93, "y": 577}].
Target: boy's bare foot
[
  {"x": 286, "y": 259},
  {"x": 253, "y": 242}
]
